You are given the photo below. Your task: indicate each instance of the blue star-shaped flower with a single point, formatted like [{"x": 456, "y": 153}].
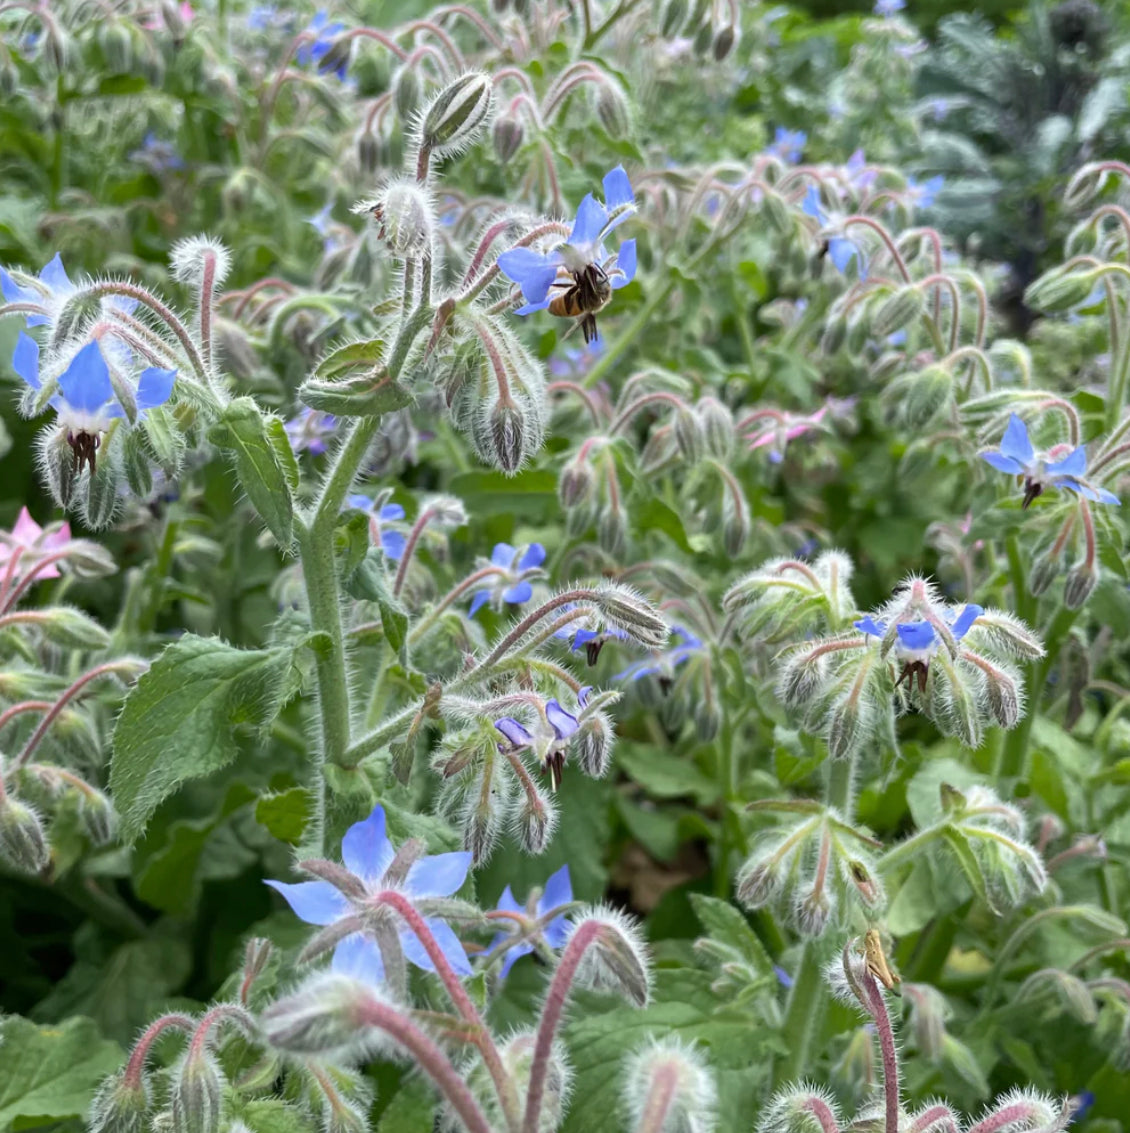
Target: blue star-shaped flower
[
  {"x": 924, "y": 193},
  {"x": 1018, "y": 457},
  {"x": 581, "y": 261},
  {"x": 367, "y": 853},
  {"x": 53, "y": 286},
  {"x": 315, "y": 50},
  {"x": 514, "y": 585},
  {"x": 554, "y": 931},
  {"x": 549, "y": 739},
  {"x": 919, "y": 640},
  {"x": 788, "y": 145},
  {"x": 841, "y": 250},
  {"x": 888, "y": 8},
  {"x": 392, "y": 542},
  {"x": 663, "y": 664}
]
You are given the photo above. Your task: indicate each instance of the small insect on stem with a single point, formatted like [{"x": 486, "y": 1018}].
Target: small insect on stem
[{"x": 877, "y": 959}]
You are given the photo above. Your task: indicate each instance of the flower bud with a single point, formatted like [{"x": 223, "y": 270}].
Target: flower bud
[
  {"x": 612, "y": 110},
  {"x": 717, "y": 427},
  {"x": 1044, "y": 571},
  {"x": 534, "y": 820},
  {"x": 507, "y": 435},
  {"x": 926, "y": 395},
  {"x": 576, "y": 484},
  {"x": 338, "y": 56},
  {"x": 724, "y": 42},
  {"x": 736, "y": 522},
  {"x": 1060, "y": 289},
  {"x": 58, "y": 464},
  {"x": 405, "y": 92},
  {"x": 707, "y": 718},
  {"x": 174, "y": 20},
  {"x": 633, "y": 613},
  {"x": 1084, "y": 186},
  {"x": 23, "y": 843},
  {"x": 197, "y": 1095},
  {"x": 518, "y": 1058},
  {"x": 1081, "y": 581},
  {"x": 1002, "y": 691},
  {"x": 593, "y": 744},
  {"x": 616, "y": 959},
  {"x": 848, "y": 725},
  {"x": 674, "y": 16},
  {"x": 323, "y": 1017},
  {"x": 669, "y": 1088},
  {"x": 612, "y": 530},
  {"x": 97, "y": 816},
  {"x": 403, "y": 217},
  {"x": 119, "y": 1107},
  {"x": 1082, "y": 240},
  {"x": 368, "y": 151},
  {"x": 457, "y": 114},
  {"x": 117, "y": 46},
  {"x": 835, "y": 334},
  {"x": 898, "y": 310},
  {"x": 856, "y": 1067},
  {"x": 688, "y": 434},
  {"x": 507, "y": 135},
  {"x": 704, "y": 38}
]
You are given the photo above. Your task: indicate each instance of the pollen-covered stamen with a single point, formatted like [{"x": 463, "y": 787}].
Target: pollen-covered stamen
[{"x": 85, "y": 448}]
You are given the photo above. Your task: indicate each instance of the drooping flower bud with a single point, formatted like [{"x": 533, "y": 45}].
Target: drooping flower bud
[
  {"x": 898, "y": 310},
  {"x": 1045, "y": 569},
  {"x": 534, "y": 820},
  {"x": 23, "y": 843},
  {"x": 612, "y": 110},
  {"x": 576, "y": 483},
  {"x": 724, "y": 42},
  {"x": 1081, "y": 582},
  {"x": 405, "y": 92},
  {"x": 1060, "y": 289},
  {"x": 457, "y": 114},
  {"x": 674, "y": 16},
  {"x": 403, "y": 217},
  {"x": 669, "y": 1089},
  {"x": 616, "y": 959},
  {"x": 120, "y": 1106},
  {"x": 612, "y": 530},
  {"x": 717, "y": 427},
  {"x": 323, "y": 1017},
  {"x": 688, "y": 434},
  {"x": 518, "y": 1056},
  {"x": 507, "y": 135},
  {"x": 196, "y": 1096},
  {"x": 368, "y": 151},
  {"x": 117, "y": 46},
  {"x": 593, "y": 744},
  {"x": 633, "y": 613},
  {"x": 507, "y": 436}
]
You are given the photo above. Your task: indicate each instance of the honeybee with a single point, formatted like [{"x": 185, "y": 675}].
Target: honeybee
[{"x": 588, "y": 294}]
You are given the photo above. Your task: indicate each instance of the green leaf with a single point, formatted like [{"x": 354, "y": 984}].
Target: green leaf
[
  {"x": 529, "y": 495},
  {"x": 51, "y": 1072},
  {"x": 966, "y": 858},
  {"x": 654, "y": 514},
  {"x": 169, "y": 881},
  {"x": 412, "y": 1109},
  {"x": 178, "y": 720},
  {"x": 285, "y": 814},
  {"x": 664, "y": 775},
  {"x": 366, "y": 395},
  {"x": 243, "y": 432},
  {"x": 728, "y": 925},
  {"x": 368, "y": 582},
  {"x": 352, "y": 356}
]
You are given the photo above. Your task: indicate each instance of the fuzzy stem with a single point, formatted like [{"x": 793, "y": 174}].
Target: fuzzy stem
[
  {"x": 877, "y": 1006},
  {"x": 663, "y": 1089},
  {"x": 136, "y": 1065}
]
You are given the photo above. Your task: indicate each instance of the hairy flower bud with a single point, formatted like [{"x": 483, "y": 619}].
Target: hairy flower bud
[
  {"x": 23, "y": 843},
  {"x": 1044, "y": 571},
  {"x": 518, "y": 1058},
  {"x": 368, "y": 151},
  {"x": 612, "y": 530},
  {"x": 688, "y": 434},
  {"x": 669, "y": 1089},
  {"x": 898, "y": 310},
  {"x": 117, "y": 46},
  {"x": 707, "y": 718},
  {"x": 323, "y": 1017},
  {"x": 724, "y": 42},
  {"x": 197, "y": 1094},
  {"x": 612, "y": 110},
  {"x": 593, "y": 744},
  {"x": 674, "y": 16},
  {"x": 405, "y": 92},
  {"x": 507, "y": 134},
  {"x": 834, "y": 335},
  {"x": 717, "y": 427},
  {"x": 927, "y": 1018},
  {"x": 402, "y": 216},
  {"x": 507, "y": 436},
  {"x": 457, "y": 114},
  {"x": 1060, "y": 289},
  {"x": 576, "y": 484},
  {"x": 119, "y": 1106},
  {"x": 616, "y": 959},
  {"x": 1081, "y": 582},
  {"x": 631, "y": 612},
  {"x": 534, "y": 819}
]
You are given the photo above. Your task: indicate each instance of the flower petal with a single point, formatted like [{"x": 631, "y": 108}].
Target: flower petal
[
  {"x": 391, "y": 512},
  {"x": 556, "y": 932},
  {"x": 366, "y": 850},
  {"x": 531, "y": 308},
  {"x": 393, "y": 544},
  {"x": 562, "y": 722},
  {"x": 481, "y": 598},
  {"x": 315, "y": 902},
  {"x": 617, "y": 189},
  {"x": 508, "y": 903},
  {"x": 502, "y": 555},
  {"x": 965, "y": 619},
  {"x": 1074, "y": 464},
  {"x": 589, "y": 224},
  {"x": 55, "y": 276},
  {"x": 534, "y": 556},
  {"x": 1003, "y": 463},
  {"x": 154, "y": 387},
  {"x": 518, "y": 593},
  {"x": 626, "y": 262},
  {"x": 437, "y": 876},
  {"x": 445, "y": 938},
  {"x": 515, "y": 731},
  {"x": 811, "y": 205},
  {"x": 533, "y": 271},
  {"x": 870, "y": 626},
  {"x": 1016, "y": 442},
  {"x": 85, "y": 383},
  {"x": 25, "y": 360},
  {"x": 841, "y": 252},
  {"x": 916, "y": 635},
  {"x": 558, "y": 891},
  {"x": 359, "y": 957},
  {"x": 514, "y": 952}
]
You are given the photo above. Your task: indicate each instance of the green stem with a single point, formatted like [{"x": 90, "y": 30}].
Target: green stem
[
  {"x": 1013, "y": 761},
  {"x": 1023, "y": 602},
  {"x": 805, "y": 1010},
  {"x": 727, "y": 796}
]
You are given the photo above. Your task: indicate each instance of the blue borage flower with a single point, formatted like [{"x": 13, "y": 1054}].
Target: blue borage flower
[
  {"x": 888, "y": 8},
  {"x": 85, "y": 403},
  {"x": 788, "y": 145},
  {"x": 512, "y": 584},
  {"x": 1018, "y": 457},
  {"x": 51, "y": 288},
  {"x": 924, "y": 193},
  {"x": 369, "y": 855},
  {"x": 392, "y": 542},
  {"x": 917, "y": 642},
  {"x": 309, "y": 430},
  {"x": 580, "y": 267},
  {"x": 535, "y": 925},
  {"x": 314, "y": 51},
  {"x": 841, "y": 249},
  {"x": 158, "y": 155},
  {"x": 664, "y": 663},
  {"x": 549, "y": 738}
]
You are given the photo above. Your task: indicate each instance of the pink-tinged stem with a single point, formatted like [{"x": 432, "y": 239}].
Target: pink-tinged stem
[
  {"x": 555, "y": 1000},
  {"x": 23, "y": 706},
  {"x": 9, "y": 574},
  {"x": 527, "y": 623},
  {"x": 481, "y": 1036},
  {"x": 581, "y": 392},
  {"x": 430, "y": 1059},
  {"x": 68, "y": 695},
  {"x": 629, "y": 411},
  {"x": 136, "y": 1065},
  {"x": 820, "y": 1109},
  {"x": 425, "y": 517},
  {"x": 661, "y": 1093},
  {"x": 1006, "y": 1117},
  {"x": 453, "y": 595},
  {"x": 877, "y": 1005},
  {"x": 489, "y": 237},
  {"x": 245, "y": 297},
  {"x": 938, "y": 1117},
  {"x": 207, "y": 295},
  {"x": 550, "y": 228},
  {"x": 21, "y": 587},
  {"x": 219, "y": 1014}
]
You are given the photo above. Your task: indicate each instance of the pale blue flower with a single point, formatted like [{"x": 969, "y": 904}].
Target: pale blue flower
[
  {"x": 549, "y": 738},
  {"x": 316, "y": 50},
  {"x": 841, "y": 249},
  {"x": 52, "y": 288},
  {"x": 558, "y": 892},
  {"x": 367, "y": 853},
  {"x": 664, "y": 663},
  {"x": 919, "y": 640},
  {"x": 788, "y": 145},
  {"x": 924, "y": 193},
  {"x": 392, "y": 542},
  {"x": 516, "y": 568}
]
